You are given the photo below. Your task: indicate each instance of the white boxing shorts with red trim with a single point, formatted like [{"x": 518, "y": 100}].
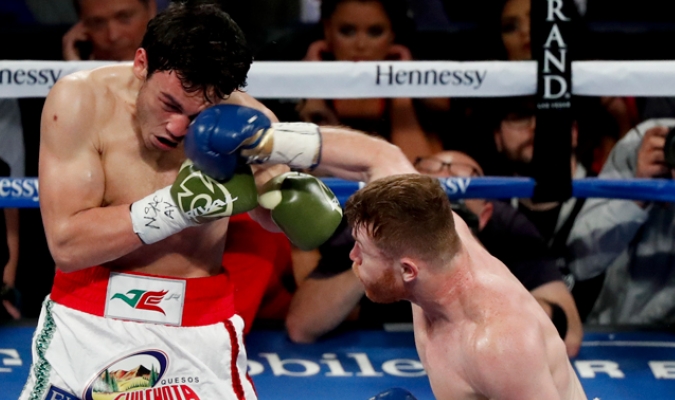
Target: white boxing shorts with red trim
[{"x": 128, "y": 336}]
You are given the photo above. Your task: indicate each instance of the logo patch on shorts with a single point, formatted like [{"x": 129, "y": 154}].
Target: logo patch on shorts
[
  {"x": 146, "y": 299},
  {"x": 136, "y": 376},
  {"x": 55, "y": 393}
]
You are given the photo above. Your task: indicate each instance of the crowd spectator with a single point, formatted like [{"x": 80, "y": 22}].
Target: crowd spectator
[
  {"x": 369, "y": 30},
  {"x": 514, "y": 139},
  {"x": 515, "y": 30},
  {"x": 12, "y": 163},
  {"x": 332, "y": 294},
  {"x": 630, "y": 241},
  {"x": 514, "y": 44},
  {"x": 107, "y": 30},
  {"x": 9, "y": 258},
  {"x": 12, "y": 149}
]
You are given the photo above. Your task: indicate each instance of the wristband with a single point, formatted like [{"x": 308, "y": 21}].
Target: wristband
[
  {"x": 157, "y": 216},
  {"x": 296, "y": 144}
]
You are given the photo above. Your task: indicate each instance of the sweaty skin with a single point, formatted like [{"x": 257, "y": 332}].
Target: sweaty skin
[
  {"x": 93, "y": 150},
  {"x": 478, "y": 332},
  {"x": 497, "y": 342},
  {"x": 104, "y": 146}
]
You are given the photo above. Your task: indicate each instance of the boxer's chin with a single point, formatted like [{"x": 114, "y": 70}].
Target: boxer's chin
[{"x": 385, "y": 290}]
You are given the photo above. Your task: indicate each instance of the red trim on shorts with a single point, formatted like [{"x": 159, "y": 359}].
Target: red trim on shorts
[
  {"x": 208, "y": 300},
  {"x": 234, "y": 371},
  {"x": 248, "y": 378}
]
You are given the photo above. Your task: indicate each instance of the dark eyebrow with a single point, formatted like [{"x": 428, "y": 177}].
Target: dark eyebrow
[
  {"x": 172, "y": 100},
  {"x": 177, "y": 104}
]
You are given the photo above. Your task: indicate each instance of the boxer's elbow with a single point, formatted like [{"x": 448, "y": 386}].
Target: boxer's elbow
[
  {"x": 65, "y": 253},
  {"x": 65, "y": 258}
]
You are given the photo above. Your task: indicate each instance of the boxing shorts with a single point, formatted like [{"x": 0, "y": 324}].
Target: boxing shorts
[{"x": 130, "y": 336}]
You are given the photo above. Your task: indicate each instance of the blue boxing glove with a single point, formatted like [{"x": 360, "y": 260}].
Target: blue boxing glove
[
  {"x": 216, "y": 135},
  {"x": 225, "y": 134},
  {"x": 394, "y": 394}
]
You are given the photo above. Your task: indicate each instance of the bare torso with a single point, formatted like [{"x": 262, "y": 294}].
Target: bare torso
[
  {"x": 129, "y": 171},
  {"x": 493, "y": 306}
]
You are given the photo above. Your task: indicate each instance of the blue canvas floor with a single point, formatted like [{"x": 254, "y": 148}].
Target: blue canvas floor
[{"x": 359, "y": 364}]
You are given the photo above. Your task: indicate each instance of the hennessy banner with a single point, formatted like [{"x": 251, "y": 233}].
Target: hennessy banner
[
  {"x": 339, "y": 79},
  {"x": 552, "y": 36}
]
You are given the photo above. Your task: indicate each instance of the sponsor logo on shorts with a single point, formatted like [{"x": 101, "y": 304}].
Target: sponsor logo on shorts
[
  {"x": 139, "y": 376},
  {"x": 145, "y": 299},
  {"x": 55, "y": 393}
]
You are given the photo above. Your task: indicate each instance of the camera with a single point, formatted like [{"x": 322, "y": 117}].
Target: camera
[{"x": 669, "y": 149}]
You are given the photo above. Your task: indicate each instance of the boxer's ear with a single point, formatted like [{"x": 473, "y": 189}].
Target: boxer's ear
[
  {"x": 141, "y": 64},
  {"x": 409, "y": 269}
]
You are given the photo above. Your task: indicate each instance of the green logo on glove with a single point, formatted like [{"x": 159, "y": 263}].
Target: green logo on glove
[{"x": 203, "y": 199}]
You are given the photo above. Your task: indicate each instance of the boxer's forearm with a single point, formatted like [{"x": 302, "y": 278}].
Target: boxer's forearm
[
  {"x": 91, "y": 237},
  {"x": 320, "y": 305},
  {"x": 353, "y": 155}
]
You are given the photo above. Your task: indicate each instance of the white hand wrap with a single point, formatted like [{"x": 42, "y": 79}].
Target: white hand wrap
[
  {"x": 296, "y": 144},
  {"x": 157, "y": 216}
]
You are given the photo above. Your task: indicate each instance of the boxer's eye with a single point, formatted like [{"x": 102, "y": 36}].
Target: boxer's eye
[{"x": 171, "y": 107}]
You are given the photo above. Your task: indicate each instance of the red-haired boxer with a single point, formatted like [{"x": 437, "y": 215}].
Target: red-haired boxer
[{"x": 479, "y": 333}]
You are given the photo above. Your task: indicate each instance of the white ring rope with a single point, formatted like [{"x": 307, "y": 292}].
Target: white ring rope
[{"x": 279, "y": 80}]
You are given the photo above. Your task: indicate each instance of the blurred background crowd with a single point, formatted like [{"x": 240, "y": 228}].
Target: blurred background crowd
[{"x": 595, "y": 262}]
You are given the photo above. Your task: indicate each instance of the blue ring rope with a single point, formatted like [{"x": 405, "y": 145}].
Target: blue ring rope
[{"x": 23, "y": 192}]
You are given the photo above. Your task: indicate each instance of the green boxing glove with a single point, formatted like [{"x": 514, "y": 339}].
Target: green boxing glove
[
  {"x": 203, "y": 199},
  {"x": 305, "y": 209},
  {"x": 194, "y": 198}
]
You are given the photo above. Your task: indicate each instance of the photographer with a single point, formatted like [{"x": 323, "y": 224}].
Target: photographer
[{"x": 629, "y": 240}]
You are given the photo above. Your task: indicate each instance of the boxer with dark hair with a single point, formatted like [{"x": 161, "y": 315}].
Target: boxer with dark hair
[{"x": 140, "y": 167}]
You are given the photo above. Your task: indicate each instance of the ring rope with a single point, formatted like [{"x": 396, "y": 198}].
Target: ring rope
[
  {"x": 23, "y": 192},
  {"x": 387, "y": 79}
]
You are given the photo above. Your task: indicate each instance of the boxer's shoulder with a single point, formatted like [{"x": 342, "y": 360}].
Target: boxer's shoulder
[
  {"x": 99, "y": 84},
  {"x": 87, "y": 97}
]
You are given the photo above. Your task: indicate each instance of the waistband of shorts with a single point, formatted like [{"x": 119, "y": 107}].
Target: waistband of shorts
[{"x": 208, "y": 300}]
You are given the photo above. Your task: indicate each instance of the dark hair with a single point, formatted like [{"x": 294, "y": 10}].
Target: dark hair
[
  {"x": 202, "y": 45},
  {"x": 78, "y": 8},
  {"x": 408, "y": 213},
  {"x": 502, "y": 107},
  {"x": 397, "y": 11}
]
